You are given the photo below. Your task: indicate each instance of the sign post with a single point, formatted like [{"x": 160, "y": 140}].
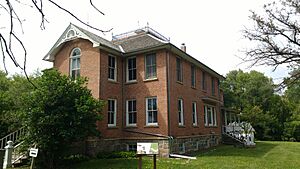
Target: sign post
[
  {"x": 33, "y": 152},
  {"x": 147, "y": 149}
]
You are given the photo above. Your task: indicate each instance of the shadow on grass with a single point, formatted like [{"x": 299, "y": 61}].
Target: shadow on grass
[{"x": 228, "y": 150}]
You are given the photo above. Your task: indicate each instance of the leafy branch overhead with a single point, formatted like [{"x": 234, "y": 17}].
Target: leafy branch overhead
[
  {"x": 276, "y": 34},
  {"x": 11, "y": 14}
]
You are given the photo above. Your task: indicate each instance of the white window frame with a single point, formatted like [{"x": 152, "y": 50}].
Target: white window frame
[
  {"x": 113, "y": 112},
  {"x": 114, "y": 68},
  {"x": 194, "y": 113},
  {"x": 210, "y": 111},
  {"x": 127, "y": 113},
  {"x": 127, "y": 70},
  {"x": 154, "y": 74},
  {"x": 180, "y": 112},
  {"x": 77, "y": 59},
  {"x": 147, "y": 112}
]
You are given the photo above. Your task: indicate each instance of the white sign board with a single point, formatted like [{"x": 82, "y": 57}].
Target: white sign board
[
  {"x": 33, "y": 152},
  {"x": 147, "y": 148}
]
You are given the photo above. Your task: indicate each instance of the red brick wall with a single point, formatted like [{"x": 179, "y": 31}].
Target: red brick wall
[
  {"x": 143, "y": 89},
  {"x": 94, "y": 65},
  {"x": 188, "y": 94},
  {"x": 89, "y": 60}
]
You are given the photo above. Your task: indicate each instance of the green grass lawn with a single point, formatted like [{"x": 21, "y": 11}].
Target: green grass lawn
[{"x": 273, "y": 155}]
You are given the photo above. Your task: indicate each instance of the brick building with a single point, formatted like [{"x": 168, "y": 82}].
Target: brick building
[{"x": 155, "y": 92}]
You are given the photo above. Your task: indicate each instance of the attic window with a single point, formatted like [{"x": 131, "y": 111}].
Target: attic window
[{"x": 71, "y": 33}]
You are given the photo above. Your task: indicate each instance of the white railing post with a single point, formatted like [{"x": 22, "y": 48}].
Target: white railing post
[{"x": 8, "y": 155}]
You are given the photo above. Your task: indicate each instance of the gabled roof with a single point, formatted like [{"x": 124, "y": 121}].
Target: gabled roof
[
  {"x": 130, "y": 43},
  {"x": 72, "y": 32}
]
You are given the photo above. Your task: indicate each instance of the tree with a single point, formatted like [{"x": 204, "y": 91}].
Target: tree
[
  {"x": 11, "y": 13},
  {"x": 276, "y": 34},
  {"x": 5, "y": 103},
  {"x": 60, "y": 111},
  {"x": 292, "y": 130},
  {"x": 12, "y": 90},
  {"x": 252, "y": 94}
]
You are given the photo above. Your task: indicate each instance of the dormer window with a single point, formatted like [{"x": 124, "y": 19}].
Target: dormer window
[{"x": 75, "y": 63}]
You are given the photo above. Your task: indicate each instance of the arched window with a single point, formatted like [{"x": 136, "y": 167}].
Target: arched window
[{"x": 75, "y": 63}]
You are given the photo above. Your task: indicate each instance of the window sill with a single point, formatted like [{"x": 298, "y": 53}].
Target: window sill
[
  {"x": 112, "y": 127},
  {"x": 195, "y": 126},
  {"x": 152, "y": 79},
  {"x": 181, "y": 126},
  {"x": 204, "y": 90},
  {"x": 131, "y": 82},
  {"x": 193, "y": 87},
  {"x": 151, "y": 126},
  {"x": 113, "y": 81},
  {"x": 131, "y": 126},
  {"x": 179, "y": 82}
]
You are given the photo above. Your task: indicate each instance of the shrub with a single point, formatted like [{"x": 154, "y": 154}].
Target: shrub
[{"x": 116, "y": 154}]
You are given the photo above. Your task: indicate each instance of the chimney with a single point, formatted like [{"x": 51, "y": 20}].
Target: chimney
[{"x": 183, "y": 47}]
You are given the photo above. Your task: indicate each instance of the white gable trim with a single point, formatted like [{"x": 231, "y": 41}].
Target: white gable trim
[{"x": 65, "y": 37}]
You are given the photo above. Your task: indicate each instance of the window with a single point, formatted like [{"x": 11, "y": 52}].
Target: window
[
  {"x": 112, "y": 114},
  {"x": 203, "y": 81},
  {"x": 150, "y": 66},
  {"x": 178, "y": 70},
  {"x": 131, "y": 69},
  {"x": 210, "y": 116},
  {"x": 180, "y": 112},
  {"x": 151, "y": 111},
  {"x": 181, "y": 148},
  {"x": 131, "y": 112},
  {"x": 193, "y": 76},
  {"x": 213, "y": 89},
  {"x": 194, "y": 113},
  {"x": 75, "y": 63},
  {"x": 112, "y": 68},
  {"x": 131, "y": 147}
]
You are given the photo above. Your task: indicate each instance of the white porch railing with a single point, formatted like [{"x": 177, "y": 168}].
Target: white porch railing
[
  {"x": 14, "y": 137},
  {"x": 242, "y": 131}
]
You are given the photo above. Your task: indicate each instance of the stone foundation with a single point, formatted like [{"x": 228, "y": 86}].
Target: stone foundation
[{"x": 178, "y": 145}]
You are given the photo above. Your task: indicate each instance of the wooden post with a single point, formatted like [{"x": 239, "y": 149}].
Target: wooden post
[
  {"x": 154, "y": 161},
  {"x": 140, "y": 161}
]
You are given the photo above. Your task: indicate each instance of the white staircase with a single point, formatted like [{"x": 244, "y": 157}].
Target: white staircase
[{"x": 15, "y": 137}]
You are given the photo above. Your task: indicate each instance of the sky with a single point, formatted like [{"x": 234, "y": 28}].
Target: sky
[{"x": 211, "y": 29}]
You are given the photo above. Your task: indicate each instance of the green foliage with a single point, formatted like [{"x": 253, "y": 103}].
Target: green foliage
[
  {"x": 252, "y": 94},
  {"x": 117, "y": 154},
  {"x": 12, "y": 92},
  {"x": 59, "y": 112}
]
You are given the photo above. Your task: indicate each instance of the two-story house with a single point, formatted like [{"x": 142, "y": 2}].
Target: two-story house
[{"x": 155, "y": 92}]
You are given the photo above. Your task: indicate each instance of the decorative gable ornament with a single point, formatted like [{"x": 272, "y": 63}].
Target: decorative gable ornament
[{"x": 71, "y": 33}]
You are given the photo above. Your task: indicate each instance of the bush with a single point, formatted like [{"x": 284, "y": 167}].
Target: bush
[{"x": 116, "y": 154}]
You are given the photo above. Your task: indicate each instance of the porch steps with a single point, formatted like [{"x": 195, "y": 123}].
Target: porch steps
[{"x": 231, "y": 140}]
